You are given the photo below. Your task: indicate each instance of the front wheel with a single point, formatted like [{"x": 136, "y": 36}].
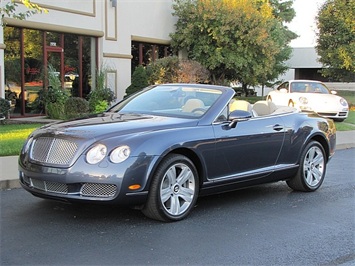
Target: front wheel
[
  {"x": 311, "y": 170},
  {"x": 174, "y": 189}
]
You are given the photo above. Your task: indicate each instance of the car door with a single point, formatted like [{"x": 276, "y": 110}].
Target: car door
[{"x": 252, "y": 147}]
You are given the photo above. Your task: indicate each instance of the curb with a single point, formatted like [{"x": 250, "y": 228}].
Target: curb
[{"x": 9, "y": 184}]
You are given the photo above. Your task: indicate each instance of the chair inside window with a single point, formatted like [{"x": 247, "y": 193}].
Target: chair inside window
[
  {"x": 192, "y": 104},
  {"x": 264, "y": 108},
  {"x": 240, "y": 105}
]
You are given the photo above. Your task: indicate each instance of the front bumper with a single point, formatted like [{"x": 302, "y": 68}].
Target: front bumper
[
  {"x": 333, "y": 114},
  {"x": 105, "y": 182}
]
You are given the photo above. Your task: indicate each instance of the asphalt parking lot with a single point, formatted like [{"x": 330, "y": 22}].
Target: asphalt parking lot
[{"x": 264, "y": 225}]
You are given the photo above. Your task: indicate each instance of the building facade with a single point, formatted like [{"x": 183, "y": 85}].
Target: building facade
[
  {"x": 304, "y": 64},
  {"x": 74, "y": 39}
]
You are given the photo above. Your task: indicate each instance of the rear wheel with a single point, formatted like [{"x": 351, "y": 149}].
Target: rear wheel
[
  {"x": 312, "y": 169},
  {"x": 174, "y": 189}
]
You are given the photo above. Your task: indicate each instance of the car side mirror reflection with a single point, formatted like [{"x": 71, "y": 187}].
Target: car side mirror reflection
[{"x": 238, "y": 116}]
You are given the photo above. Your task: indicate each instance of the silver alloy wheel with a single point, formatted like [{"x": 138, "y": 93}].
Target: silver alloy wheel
[
  {"x": 313, "y": 166},
  {"x": 177, "y": 189}
]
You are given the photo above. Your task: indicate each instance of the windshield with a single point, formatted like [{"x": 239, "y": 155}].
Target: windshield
[
  {"x": 170, "y": 100},
  {"x": 309, "y": 87}
]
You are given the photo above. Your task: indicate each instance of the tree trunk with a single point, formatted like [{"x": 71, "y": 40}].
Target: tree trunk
[{"x": 245, "y": 89}]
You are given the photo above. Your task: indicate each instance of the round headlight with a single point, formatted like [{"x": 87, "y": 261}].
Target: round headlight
[
  {"x": 343, "y": 102},
  {"x": 303, "y": 100},
  {"x": 96, "y": 154},
  {"x": 120, "y": 154}
]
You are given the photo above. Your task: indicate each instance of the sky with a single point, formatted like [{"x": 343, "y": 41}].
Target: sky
[{"x": 304, "y": 23}]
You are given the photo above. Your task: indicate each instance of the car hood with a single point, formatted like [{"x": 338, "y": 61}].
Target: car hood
[
  {"x": 113, "y": 124},
  {"x": 322, "y": 100}
]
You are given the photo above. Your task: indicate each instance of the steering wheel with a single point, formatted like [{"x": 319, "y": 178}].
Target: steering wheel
[{"x": 198, "y": 110}]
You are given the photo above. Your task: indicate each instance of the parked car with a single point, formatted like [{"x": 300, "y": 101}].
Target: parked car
[
  {"x": 310, "y": 95},
  {"x": 161, "y": 148}
]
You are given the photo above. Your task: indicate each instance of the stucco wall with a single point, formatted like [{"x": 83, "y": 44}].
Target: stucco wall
[{"x": 116, "y": 27}]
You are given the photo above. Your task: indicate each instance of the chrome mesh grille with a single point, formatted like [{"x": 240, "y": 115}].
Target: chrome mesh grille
[
  {"x": 98, "y": 190},
  {"x": 47, "y": 186},
  {"x": 53, "y": 150},
  {"x": 93, "y": 190}
]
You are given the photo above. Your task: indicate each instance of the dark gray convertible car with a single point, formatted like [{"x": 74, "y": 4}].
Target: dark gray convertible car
[{"x": 166, "y": 145}]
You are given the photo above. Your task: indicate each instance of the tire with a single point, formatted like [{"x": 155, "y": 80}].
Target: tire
[
  {"x": 311, "y": 170},
  {"x": 174, "y": 189}
]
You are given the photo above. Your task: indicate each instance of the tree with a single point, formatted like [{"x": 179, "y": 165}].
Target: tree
[
  {"x": 171, "y": 69},
  {"x": 235, "y": 40},
  {"x": 336, "y": 39},
  {"x": 9, "y": 9}
]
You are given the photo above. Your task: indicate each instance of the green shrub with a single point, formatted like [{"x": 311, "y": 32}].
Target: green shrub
[
  {"x": 76, "y": 107},
  {"x": 4, "y": 107},
  {"x": 55, "y": 110},
  {"x": 164, "y": 70},
  {"x": 100, "y": 93},
  {"x": 139, "y": 80},
  {"x": 171, "y": 70},
  {"x": 55, "y": 96},
  {"x": 100, "y": 107}
]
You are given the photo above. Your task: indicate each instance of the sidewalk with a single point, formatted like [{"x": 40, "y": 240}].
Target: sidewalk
[{"x": 9, "y": 172}]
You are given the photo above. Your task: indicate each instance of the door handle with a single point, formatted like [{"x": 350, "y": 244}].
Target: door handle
[{"x": 278, "y": 127}]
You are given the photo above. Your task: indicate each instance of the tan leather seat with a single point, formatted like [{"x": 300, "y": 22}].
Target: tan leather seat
[
  {"x": 240, "y": 105},
  {"x": 264, "y": 108}
]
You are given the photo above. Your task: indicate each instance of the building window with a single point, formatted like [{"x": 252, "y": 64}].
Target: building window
[
  {"x": 145, "y": 53},
  {"x": 28, "y": 54}
]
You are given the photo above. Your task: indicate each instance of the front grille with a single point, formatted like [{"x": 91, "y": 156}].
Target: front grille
[
  {"x": 98, "y": 190},
  {"x": 93, "y": 190},
  {"x": 327, "y": 114},
  {"x": 53, "y": 150},
  {"x": 48, "y": 186}
]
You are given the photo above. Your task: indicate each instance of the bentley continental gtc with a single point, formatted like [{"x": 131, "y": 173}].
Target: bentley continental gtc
[{"x": 162, "y": 148}]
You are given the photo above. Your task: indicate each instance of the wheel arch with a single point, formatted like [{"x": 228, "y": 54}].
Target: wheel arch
[
  {"x": 190, "y": 154},
  {"x": 322, "y": 141},
  {"x": 194, "y": 158}
]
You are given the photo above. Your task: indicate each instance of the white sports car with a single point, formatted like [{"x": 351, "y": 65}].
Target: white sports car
[{"x": 310, "y": 95}]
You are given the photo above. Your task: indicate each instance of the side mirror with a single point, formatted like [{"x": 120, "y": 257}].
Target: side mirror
[
  {"x": 238, "y": 116},
  {"x": 333, "y": 92}
]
